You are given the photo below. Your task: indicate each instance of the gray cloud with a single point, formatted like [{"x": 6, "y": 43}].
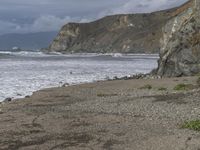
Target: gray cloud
[{"x": 22, "y": 16}]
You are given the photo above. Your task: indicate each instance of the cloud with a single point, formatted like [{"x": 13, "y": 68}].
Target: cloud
[
  {"x": 50, "y": 15},
  {"x": 6, "y": 26},
  {"x": 142, "y": 6},
  {"x": 47, "y": 23},
  {"x": 41, "y": 24}
]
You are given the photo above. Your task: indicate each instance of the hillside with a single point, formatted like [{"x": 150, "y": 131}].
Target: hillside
[{"x": 125, "y": 33}]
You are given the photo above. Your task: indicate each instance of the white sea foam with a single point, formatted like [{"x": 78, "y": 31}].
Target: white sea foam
[
  {"x": 26, "y": 72},
  {"x": 23, "y": 53}
]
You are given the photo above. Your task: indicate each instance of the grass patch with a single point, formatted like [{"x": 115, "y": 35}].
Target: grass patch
[
  {"x": 147, "y": 86},
  {"x": 105, "y": 95},
  {"x": 198, "y": 74},
  {"x": 192, "y": 125},
  {"x": 162, "y": 89},
  {"x": 182, "y": 86}
]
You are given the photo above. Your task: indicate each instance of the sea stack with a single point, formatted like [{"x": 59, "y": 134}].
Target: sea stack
[{"x": 180, "y": 44}]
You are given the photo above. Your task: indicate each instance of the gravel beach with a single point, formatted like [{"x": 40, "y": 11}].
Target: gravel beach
[{"x": 142, "y": 114}]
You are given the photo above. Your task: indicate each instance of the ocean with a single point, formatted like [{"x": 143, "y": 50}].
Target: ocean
[{"x": 22, "y": 73}]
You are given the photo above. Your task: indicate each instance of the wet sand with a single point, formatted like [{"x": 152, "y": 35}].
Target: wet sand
[{"x": 118, "y": 115}]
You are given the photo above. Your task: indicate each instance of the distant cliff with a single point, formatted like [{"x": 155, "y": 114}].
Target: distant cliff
[
  {"x": 133, "y": 33},
  {"x": 180, "y": 45}
]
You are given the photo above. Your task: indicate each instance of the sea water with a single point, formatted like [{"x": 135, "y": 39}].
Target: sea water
[{"x": 22, "y": 73}]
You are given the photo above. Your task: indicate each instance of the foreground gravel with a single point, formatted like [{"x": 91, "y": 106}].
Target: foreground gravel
[{"x": 118, "y": 115}]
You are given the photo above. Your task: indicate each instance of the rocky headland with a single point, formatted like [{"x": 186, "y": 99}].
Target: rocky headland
[
  {"x": 125, "y": 33},
  {"x": 120, "y": 33}
]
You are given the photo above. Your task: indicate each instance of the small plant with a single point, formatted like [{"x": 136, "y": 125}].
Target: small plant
[
  {"x": 147, "y": 86},
  {"x": 197, "y": 74},
  {"x": 192, "y": 125},
  {"x": 182, "y": 86},
  {"x": 162, "y": 89},
  {"x": 198, "y": 81},
  {"x": 105, "y": 95}
]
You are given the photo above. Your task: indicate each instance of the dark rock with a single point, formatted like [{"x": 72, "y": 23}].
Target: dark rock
[
  {"x": 115, "y": 78},
  {"x": 137, "y": 76},
  {"x": 19, "y": 94},
  {"x": 65, "y": 85},
  {"x": 8, "y": 99}
]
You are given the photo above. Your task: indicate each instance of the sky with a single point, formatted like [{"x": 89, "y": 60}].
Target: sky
[{"x": 25, "y": 16}]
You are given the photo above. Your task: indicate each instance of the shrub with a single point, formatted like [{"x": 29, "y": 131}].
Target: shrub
[
  {"x": 105, "y": 95},
  {"x": 147, "y": 86},
  {"x": 162, "y": 89},
  {"x": 183, "y": 86}
]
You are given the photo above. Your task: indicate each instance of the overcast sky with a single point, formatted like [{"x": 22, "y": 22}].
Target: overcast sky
[{"x": 23, "y": 16}]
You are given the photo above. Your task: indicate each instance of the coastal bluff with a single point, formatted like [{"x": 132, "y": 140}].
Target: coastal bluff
[
  {"x": 180, "y": 45},
  {"x": 124, "y": 33}
]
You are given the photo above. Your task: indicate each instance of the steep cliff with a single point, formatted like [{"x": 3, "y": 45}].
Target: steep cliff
[
  {"x": 180, "y": 45},
  {"x": 136, "y": 33}
]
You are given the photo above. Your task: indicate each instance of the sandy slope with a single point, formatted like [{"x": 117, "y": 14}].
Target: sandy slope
[{"x": 107, "y": 115}]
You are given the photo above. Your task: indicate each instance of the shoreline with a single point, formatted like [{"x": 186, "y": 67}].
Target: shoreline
[
  {"x": 136, "y": 77},
  {"x": 119, "y": 114},
  {"x": 128, "y": 77}
]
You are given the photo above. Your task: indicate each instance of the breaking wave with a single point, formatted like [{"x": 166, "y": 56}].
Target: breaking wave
[
  {"x": 23, "y": 72},
  {"x": 4, "y": 54}
]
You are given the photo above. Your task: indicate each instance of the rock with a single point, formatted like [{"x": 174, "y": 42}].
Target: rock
[
  {"x": 107, "y": 78},
  {"x": 27, "y": 96},
  {"x": 18, "y": 94},
  {"x": 8, "y": 99},
  {"x": 65, "y": 85},
  {"x": 180, "y": 45},
  {"x": 115, "y": 78}
]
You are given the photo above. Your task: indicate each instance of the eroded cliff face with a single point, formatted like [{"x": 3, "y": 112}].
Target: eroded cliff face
[
  {"x": 137, "y": 33},
  {"x": 180, "y": 45}
]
